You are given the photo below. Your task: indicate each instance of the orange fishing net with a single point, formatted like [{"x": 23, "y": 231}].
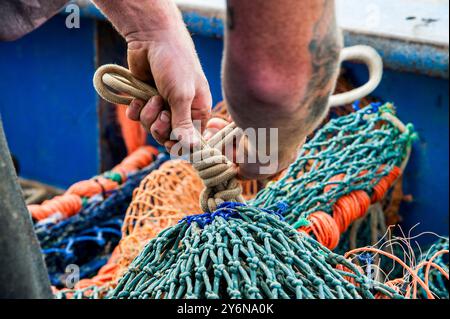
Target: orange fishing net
[{"x": 162, "y": 199}]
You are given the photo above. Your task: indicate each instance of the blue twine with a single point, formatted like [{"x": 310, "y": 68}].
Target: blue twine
[
  {"x": 356, "y": 105},
  {"x": 366, "y": 258},
  {"x": 282, "y": 208},
  {"x": 228, "y": 210},
  {"x": 372, "y": 108}
]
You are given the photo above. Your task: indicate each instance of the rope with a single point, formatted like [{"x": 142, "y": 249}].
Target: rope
[
  {"x": 217, "y": 172},
  {"x": 372, "y": 59}
]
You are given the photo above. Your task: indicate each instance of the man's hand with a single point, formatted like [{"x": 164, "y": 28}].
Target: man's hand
[
  {"x": 169, "y": 61},
  {"x": 161, "y": 52},
  {"x": 247, "y": 170}
]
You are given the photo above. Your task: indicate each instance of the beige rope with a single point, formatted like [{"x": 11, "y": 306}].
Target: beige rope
[{"x": 217, "y": 172}]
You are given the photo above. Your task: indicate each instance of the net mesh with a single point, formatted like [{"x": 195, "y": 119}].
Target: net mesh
[
  {"x": 349, "y": 164},
  {"x": 244, "y": 251}
]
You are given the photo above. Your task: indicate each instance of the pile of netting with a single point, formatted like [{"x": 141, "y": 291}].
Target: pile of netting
[
  {"x": 433, "y": 270},
  {"x": 273, "y": 246},
  {"x": 87, "y": 238},
  {"x": 349, "y": 165},
  {"x": 241, "y": 251},
  {"x": 84, "y": 193},
  {"x": 162, "y": 199}
]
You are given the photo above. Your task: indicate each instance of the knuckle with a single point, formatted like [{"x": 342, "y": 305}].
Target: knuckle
[
  {"x": 204, "y": 112},
  {"x": 147, "y": 117},
  {"x": 181, "y": 97},
  {"x": 183, "y": 123}
]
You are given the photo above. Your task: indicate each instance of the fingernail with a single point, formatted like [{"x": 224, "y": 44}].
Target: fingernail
[
  {"x": 137, "y": 103},
  {"x": 164, "y": 117}
]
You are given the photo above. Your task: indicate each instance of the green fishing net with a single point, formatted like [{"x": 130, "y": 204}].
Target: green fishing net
[
  {"x": 349, "y": 164},
  {"x": 438, "y": 284},
  {"x": 363, "y": 146},
  {"x": 242, "y": 251}
]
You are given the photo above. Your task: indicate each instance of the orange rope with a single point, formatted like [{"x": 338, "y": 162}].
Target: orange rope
[
  {"x": 347, "y": 209},
  {"x": 324, "y": 228},
  {"x": 70, "y": 203},
  {"x": 67, "y": 205},
  {"x": 429, "y": 263},
  {"x": 133, "y": 133},
  {"x": 92, "y": 187},
  {"x": 411, "y": 271}
]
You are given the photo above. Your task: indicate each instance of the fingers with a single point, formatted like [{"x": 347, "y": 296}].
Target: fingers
[
  {"x": 153, "y": 117},
  {"x": 133, "y": 111},
  {"x": 182, "y": 126},
  {"x": 202, "y": 105},
  {"x": 213, "y": 126},
  {"x": 161, "y": 128},
  {"x": 149, "y": 113}
]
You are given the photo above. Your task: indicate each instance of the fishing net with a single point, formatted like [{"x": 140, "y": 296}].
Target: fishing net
[
  {"x": 409, "y": 271},
  {"x": 87, "y": 250},
  {"x": 79, "y": 194},
  {"x": 162, "y": 199},
  {"x": 81, "y": 239},
  {"x": 349, "y": 164},
  {"x": 98, "y": 209},
  {"x": 433, "y": 270},
  {"x": 240, "y": 251}
]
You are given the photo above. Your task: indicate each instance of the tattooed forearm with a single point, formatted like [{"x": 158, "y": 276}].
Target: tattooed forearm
[
  {"x": 325, "y": 47},
  {"x": 280, "y": 66}
]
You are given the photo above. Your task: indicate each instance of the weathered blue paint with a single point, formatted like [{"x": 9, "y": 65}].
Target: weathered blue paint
[
  {"x": 48, "y": 104},
  {"x": 91, "y": 11},
  {"x": 208, "y": 26},
  {"x": 204, "y": 25},
  {"x": 399, "y": 55},
  {"x": 423, "y": 101}
]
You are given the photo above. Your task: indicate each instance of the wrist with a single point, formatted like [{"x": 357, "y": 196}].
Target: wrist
[{"x": 137, "y": 20}]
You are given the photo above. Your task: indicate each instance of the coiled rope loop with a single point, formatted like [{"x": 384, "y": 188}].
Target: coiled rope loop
[{"x": 217, "y": 172}]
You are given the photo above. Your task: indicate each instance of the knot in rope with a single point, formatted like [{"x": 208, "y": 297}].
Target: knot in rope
[{"x": 216, "y": 171}]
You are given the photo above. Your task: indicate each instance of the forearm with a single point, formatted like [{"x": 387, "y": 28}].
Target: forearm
[
  {"x": 135, "y": 17},
  {"x": 281, "y": 64}
]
